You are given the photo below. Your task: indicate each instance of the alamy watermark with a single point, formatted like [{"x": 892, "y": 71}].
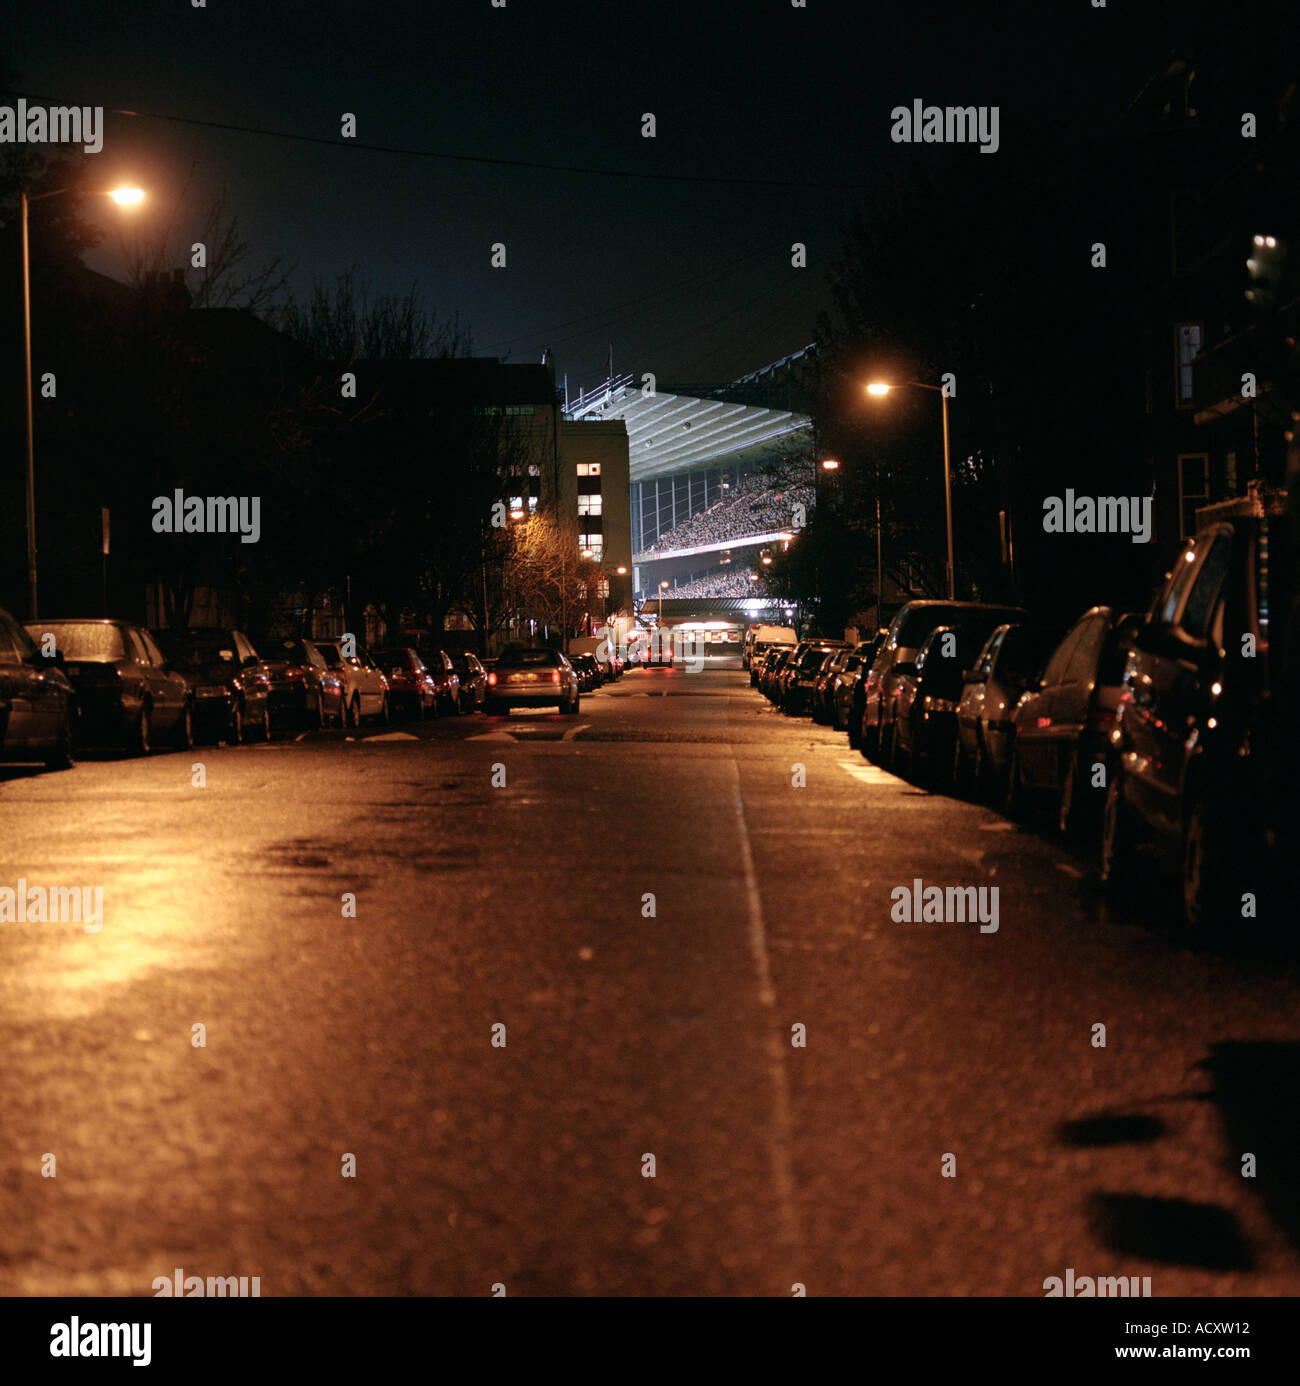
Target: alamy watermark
[
  {"x": 182, "y": 514},
  {"x": 932, "y": 904},
  {"x": 36, "y": 904},
  {"x": 1071, "y": 514},
  {"x": 922, "y": 124},
  {"x": 24, "y": 124}
]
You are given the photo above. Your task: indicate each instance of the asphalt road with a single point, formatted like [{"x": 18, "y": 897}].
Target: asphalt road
[{"x": 627, "y": 1034}]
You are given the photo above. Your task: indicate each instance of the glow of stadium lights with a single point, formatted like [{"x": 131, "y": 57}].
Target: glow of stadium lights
[
  {"x": 767, "y": 558},
  {"x": 878, "y": 387},
  {"x": 830, "y": 464},
  {"x": 753, "y": 577},
  {"x": 127, "y": 197}
]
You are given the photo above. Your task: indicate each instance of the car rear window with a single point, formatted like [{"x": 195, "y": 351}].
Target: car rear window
[
  {"x": 522, "y": 659},
  {"x": 85, "y": 639}
]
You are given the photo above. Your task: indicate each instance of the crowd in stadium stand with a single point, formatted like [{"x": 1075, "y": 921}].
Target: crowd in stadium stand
[
  {"x": 715, "y": 585},
  {"x": 752, "y": 506}
]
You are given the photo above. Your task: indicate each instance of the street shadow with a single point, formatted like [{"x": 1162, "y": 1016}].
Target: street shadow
[
  {"x": 1256, "y": 1086},
  {"x": 1111, "y": 1128},
  {"x": 1175, "y": 1231}
]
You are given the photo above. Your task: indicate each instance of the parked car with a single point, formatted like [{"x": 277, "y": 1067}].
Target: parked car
[
  {"x": 446, "y": 680},
  {"x": 773, "y": 663},
  {"x": 473, "y": 681},
  {"x": 411, "y": 687},
  {"x": 848, "y": 695},
  {"x": 228, "y": 680},
  {"x": 922, "y": 729},
  {"x": 127, "y": 692},
  {"x": 38, "y": 707},
  {"x": 759, "y": 654},
  {"x": 760, "y": 639},
  {"x": 365, "y": 687},
  {"x": 303, "y": 688},
  {"x": 532, "y": 676},
  {"x": 819, "y": 700},
  {"x": 897, "y": 656},
  {"x": 587, "y": 670},
  {"x": 799, "y": 677},
  {"x": 1201, "y": 744},
  {"x": 1062, "y": 727},
  {"x": 1011, "y": 661}
]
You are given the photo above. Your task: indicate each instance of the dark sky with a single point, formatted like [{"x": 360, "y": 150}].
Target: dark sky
[{"x": 689, "y": 279}]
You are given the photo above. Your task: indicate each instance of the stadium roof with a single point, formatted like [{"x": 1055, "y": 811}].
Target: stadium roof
[{"x": 673, "y": 431}]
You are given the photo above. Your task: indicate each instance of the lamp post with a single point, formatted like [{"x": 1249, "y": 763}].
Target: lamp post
[
  {"x": 124, "y": 197},
  {"x": 880, "y": 387}
]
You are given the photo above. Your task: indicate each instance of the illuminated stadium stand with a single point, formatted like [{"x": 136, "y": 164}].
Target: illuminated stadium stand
[{"x": 693, "y": 446}]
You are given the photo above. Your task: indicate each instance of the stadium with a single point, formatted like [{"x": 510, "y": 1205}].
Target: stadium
[{"x": 720, "y": 476}]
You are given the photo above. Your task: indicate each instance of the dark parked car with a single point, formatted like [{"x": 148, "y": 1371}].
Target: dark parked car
[
  {"x": 446, "y": 680},
  {"x": 303, "y": 688},
  {"x": 473, "y": 681},
  {"x": 849, "y": 692},
  {"x": 922, "y": 731},
  {"x": 229, "y": 683},
  {"x": 38, "y": 708},
  {"x": 411, "y": 687},
  {"x": 587, "y": 670},
  {"x": 770, "y": 666},
  {"x": 1200, "y": 746},
  {"x": 127, "y": 692},
  {"x": 819, "y": 700},
  {"x": 799, "y": 677},
  {"x": 759, "y": 654},
  {"x": 532, "y": 676},
  {"x": 1011, "y": 661},
  {"x": 897, "y": 656},
  {"x": 1062, "y": 727}
]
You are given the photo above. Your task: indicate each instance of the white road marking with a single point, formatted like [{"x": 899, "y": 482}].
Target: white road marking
[
  {"x": 782, "y": 1139},
  {"x": 868, "y": 774},
  {"x": 393, "y": 736},
  {"x": 491, "y": 736},
  {"x": 573, "y": 731}
]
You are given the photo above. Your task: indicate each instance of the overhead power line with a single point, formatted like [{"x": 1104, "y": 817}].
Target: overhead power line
[{"x": 407, "y": 151}]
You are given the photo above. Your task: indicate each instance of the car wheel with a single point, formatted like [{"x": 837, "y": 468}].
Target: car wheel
[
  {"x": 1118, "y": 840},
  {"x": 185, "y": 730},
  {"x": 1207, "y": 850},
  {"x": 354, "y": 711},
  {"x": 59, "y": 756},
  {"x": 1067, "y": 806},
  {"x": 141, "y": 742},
  {"x": 1013, "y": 790}
]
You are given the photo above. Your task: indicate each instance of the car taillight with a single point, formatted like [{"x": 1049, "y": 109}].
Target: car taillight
[
  {"x": 555, "y": 676},
  {"x": 1102, "y": 719},
  {"x": 294, "y": 674},
  {"x": 492, "y": 678}
]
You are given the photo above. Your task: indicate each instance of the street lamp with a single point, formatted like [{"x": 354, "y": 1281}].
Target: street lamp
[
  {"x": 830, "y": 464},
  {"x": 880, "y": 387},
  {"x": 662, "y": 586},
  {"x": 124, "y": 197}
]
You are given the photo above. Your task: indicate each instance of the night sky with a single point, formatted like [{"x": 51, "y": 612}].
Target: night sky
[{"x": 690, "y": 279}]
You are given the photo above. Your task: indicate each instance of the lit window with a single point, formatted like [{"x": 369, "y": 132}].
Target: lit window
[
  {"x": 589, "y": 504},
  {"x": 588, "y": 468},
  {"x": 1188, "y": 337}
]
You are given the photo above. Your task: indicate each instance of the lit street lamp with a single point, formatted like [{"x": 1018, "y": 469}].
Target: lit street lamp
[
  {"x": 880, "y": 387},
  {"x": 124, "y": 197}
]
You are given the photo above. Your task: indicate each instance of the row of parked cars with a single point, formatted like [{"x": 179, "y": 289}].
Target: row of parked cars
[
  {"x": 1164, "y": 732},
  {"x": 113, "y": 683}
]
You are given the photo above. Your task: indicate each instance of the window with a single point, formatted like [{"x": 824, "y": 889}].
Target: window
[
  {"x": 593, "y": 542},
  {"x": 1187, "y": 346},
  {"x": 532, "y": 504},
  {"x": 1193, "y": 488},
  {"x": 1202, "y": 599},
  {"x": 588, "y": 468},
  {"x": 589, "y": 504},
  {"x": 1171, "y": 595},
  {"x": 1055, "y": 671},
  {"x": 1082, "y": 666}
]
